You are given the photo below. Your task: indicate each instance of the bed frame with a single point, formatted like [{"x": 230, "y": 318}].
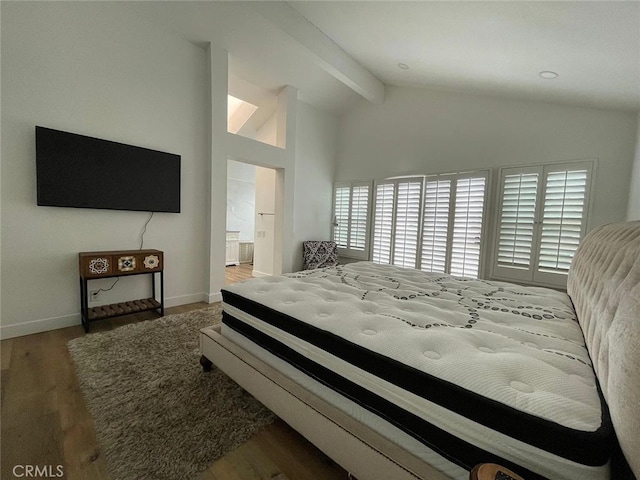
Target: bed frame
[
  {"x": 604, "y": 285},
  {"x": 358, "y": 449}
]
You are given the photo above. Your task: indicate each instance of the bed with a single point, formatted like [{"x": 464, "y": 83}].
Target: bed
[{"x": 398, "y": 373}]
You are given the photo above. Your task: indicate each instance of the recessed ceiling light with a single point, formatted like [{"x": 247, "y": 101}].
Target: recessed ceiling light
[
  {"x": 548, "y": 75},
  {"x": 403, "y": 66}
]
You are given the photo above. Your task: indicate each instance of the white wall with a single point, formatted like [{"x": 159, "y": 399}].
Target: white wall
[
  {"x": 633, "y": 209},
  {"x": 263, "y": 249},
  {"x": 420, "y": 131},
  {"x": 85, "y": 68},
  {"x": 315, "y": 169}
]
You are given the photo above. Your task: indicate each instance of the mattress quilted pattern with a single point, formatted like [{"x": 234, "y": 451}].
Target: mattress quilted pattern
[{"x": 521, "y": 347}]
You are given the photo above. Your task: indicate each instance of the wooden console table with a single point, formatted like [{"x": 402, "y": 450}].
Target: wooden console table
[{"x": 119, "y": 263}]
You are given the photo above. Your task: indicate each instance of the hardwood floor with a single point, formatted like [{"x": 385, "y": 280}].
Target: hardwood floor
[
  {"x": 236, "y": 273},
  {"x": 45, "y": 421},
  {"x": 276, "y": 452}
]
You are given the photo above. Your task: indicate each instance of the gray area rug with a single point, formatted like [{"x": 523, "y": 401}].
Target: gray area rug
[{"x": 157, "y": 415}]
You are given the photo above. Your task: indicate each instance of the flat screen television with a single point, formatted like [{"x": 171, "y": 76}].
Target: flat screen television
[{"x": 84, "y": 172}]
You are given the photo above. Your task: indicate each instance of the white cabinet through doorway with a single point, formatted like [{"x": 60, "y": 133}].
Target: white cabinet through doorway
[{"x": 233, "y": 248}]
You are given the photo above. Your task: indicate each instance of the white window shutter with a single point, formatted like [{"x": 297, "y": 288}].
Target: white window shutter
[
  {"x": 407, "y": 223},
  {"x": 467, "y": 227},
  {"x": 517, "y": 220},
  {"x": 359, "y": 218},
  {"x": 351, "y": 218},
  {"x": 543, "y": 213},
  {"x": 341, "y": 206},
  {"x": 383, "y": 223},
  {"x": 435, "y": 226},
  {"x": 562, "y": 219}
]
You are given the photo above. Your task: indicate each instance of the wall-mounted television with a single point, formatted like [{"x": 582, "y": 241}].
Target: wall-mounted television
[{"x": 84, "y": 172}]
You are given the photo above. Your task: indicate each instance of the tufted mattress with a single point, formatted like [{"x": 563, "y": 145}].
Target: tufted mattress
[{"x": 471, "y": 370}]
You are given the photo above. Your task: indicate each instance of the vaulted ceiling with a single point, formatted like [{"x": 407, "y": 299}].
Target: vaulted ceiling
[{"x": 335, "y": 52}]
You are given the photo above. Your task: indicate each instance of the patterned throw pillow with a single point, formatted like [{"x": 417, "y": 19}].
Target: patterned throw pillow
[{"x": 319, "y": 254}]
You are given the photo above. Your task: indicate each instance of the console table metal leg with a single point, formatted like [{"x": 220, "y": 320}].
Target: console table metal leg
[
  {"x": 162, "y": 293},
  {"x": 84, "y": 305}
]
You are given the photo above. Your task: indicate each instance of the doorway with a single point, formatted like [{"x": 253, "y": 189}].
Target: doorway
[{"x": 251, "y": 222}]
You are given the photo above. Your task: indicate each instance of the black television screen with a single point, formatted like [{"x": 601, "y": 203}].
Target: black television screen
[{"x": 85, "y": 172}]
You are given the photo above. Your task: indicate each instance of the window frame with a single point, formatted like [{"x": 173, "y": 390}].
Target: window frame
[
  {"x": 533, "y": 274},
  {"x": 395, "y": 182},
  {"x": 350, "y": 252},
  {"x": 484, "y": 230},
  {"x": 454, "y": 178}
]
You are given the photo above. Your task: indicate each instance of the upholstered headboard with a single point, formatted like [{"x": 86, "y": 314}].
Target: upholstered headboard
[{"x": 604, "y": 285}]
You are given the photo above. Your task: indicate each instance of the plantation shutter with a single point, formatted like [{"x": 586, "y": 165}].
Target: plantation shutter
[
  {"x": 359, "y": 217},
  {"x": 435, "y": 225},
  {"x": 351, "y": 218},
  {"x": 430, "y": 223},
  {"x": 467, "y": 227},
  {"x": 407, "y": 223},
  {"x": 396, "y": 224},
  {"x": 383, "y": 223},
  {"x": 341, "y": 207},
  {"x": 543, "y": 211},
  {"x": 562, "y": 219},
  {"x": 517, "y": 220}
]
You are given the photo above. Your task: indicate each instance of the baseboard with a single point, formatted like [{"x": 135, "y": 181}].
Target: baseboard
[
  {"x": 54, "y": 323},
  {"x": 39, "y": 326},
  {"x": 213, "y": 297},
  {"x": 257, "y": 273},
  {"x": 185, "y": 299}
]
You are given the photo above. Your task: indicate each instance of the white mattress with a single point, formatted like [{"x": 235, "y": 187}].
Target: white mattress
[{"x": 515, "y": 347}]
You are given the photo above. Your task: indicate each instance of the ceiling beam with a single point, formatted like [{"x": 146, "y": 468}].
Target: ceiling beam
[{"x": 326, "y": 53}]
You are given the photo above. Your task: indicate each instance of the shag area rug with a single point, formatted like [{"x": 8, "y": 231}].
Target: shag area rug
[{"x": 157, "y": 414}]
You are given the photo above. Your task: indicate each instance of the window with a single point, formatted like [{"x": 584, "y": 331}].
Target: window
[
  {"x": 436, "y": 223},
  {"x": 351, "y": 218},
  {"x": 397, "y": 221},
  {"x": 435, "y": 226},
  {"x": 467, "y": 227},
  {"x": 541, "y": 220},
  {"x": 383, "y": 223},
  {"x": 433, "y": 223}
]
